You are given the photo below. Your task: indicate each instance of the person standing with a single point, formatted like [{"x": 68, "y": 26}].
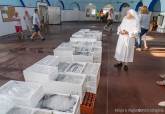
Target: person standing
[
  {"x": 145, "y": 25},
  {"x": 18, "y": 26},
  {"x": 109, "y": 20},
  {"x": 36, "y": 25},
  {"x": 28, "y": 21},
  {"x": 101, "y": 15},
  {"x": 128, "y": 32},
  {"x": 110, "y": 16}
]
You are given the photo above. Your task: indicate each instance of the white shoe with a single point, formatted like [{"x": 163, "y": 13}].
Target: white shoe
[
  {"x": 138, "y": 49},
  {"x": 161, "y": 104},
  {"x": 160, "y": 83},
  {"x": 162, "y": 76}
]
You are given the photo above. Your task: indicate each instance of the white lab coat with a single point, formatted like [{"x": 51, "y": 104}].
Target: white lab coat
[{"x": 126, "y": 43}]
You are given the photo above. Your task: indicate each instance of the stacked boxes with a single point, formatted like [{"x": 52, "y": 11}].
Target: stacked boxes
[
  {"x": 57, "y": 84},
  {"x": 51, "y": 74},
  {"x": 67, "y": 84},
  {"x": 92, "y": 71},
  {"x": 64, "y": 51},
  {"x": 51, "y": 104},
  {"x": 80, "y": 52},
  {"x": 87, "y": 35},
  {"x": 29, "y": 98}
]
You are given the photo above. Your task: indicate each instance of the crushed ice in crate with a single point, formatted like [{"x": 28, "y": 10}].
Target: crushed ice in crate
[
  {"x": 62, "y": 66},
  {"x": 17, "y": 89},
  {"x": 5, "y": 104},
  {"x": 70, "y": 79},
  {"x": 18, "y": 110},
  {"x": 58, "y": 102},
  {"x": 42, "y": 112}
]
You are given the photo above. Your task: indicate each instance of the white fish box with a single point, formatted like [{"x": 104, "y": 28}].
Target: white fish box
[
  {"x": 53, "y": 61},
  {"x": 51, "y": 104},
  {"x": 98, "y": 34},
  {"x": 49, "y": 60},
  {"x": 97, "y": 44},
  {"x": 6, "y": 104},
  {"x": 20, "y": 110},
  {"x": 84, "y": 30},
  {"x": 67, "y": 84},
  {"x": 97, "y": 55},
  {"x": 22, "y": 93},
  {"x": 92, "y": 70},
  {"x": 90, "y": 34},
  {"x": 65, "y": 49},
  {"x": 92, "y": 53},
  {"x": 65, "y": 54},
  {"x": 40, "y": 73},
  {"x": 83, "y": 39},
  {"x": 90, "y": 86},
  {"x": 81, "y": 57},
  {"x": 81, "y": 52}
]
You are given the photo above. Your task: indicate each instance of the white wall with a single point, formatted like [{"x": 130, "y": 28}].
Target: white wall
[
  {"x": 74, "y": 15},
  {"x": 8, "y": 27},
  {"x": 67, "y": 15}
]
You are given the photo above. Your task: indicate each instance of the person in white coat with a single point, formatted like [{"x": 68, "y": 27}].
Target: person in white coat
[{"x": 128, "y": 31}]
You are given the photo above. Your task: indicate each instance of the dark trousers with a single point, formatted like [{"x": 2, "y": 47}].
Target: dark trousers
[
  {"x": 139, "y": 40},
  {"x": 110, "y": 22}
]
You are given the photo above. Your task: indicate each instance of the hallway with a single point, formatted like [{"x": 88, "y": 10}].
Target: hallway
[{"x": 117, "y": 90}]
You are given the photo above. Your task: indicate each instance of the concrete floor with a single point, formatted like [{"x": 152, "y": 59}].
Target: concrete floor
[{"x": 118, "y": 90}]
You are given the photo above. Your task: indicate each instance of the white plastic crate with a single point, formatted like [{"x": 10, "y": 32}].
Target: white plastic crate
[
  {"x": 6, "y": 104},
  {"x": 92, "y": 70},
  {"x": 64, "y": 51},
  {"x": 49, "y": 60},
  {"x": 89, "y": 55},
  {"x": 20, "y": 110},
  {"x": 51, "y": 104},
  {"x": 97, "y": 55},
  {"x": 64, "y": 86},
  {"x": 40, "y": 73},
  {"x": 97, "y": 44},
  {"x": 53, "y": 61},
  {"x": 83, "y": 56},
  {"x": 90, "y": 86},
  {"x": 94, "y": 50},
  {"x": 88, "y": 34},
  {"x": 83, "y": 39},
  {"x": 22, "y": 93},
  {"x": 98, "y": 34},
  {"x": 67, "y": 84}
]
